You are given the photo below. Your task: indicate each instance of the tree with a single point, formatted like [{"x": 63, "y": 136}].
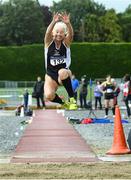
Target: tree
[
  {"x": 47, "y": 15},
  {"x": 110, "y": 30},
  {"x": 25, "y": 21},
  {"x": 92, "y": 28},
  {"x": 21, "y": 22},
  {"x": 128, "y": 9},
  {"x": 79, "y": 10},
  {"x": 125, "y": 22}
]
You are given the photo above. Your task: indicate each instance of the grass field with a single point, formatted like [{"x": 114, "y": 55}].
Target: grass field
[
  {"x": 20, "y": 91},
  {"x": 66, "y": 171},
  {"x": 14, "y": 96}
]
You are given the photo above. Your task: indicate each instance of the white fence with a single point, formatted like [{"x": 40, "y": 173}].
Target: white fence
[{"x": 12, "y": 91}]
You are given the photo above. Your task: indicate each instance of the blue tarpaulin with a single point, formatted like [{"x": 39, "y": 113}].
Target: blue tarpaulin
[{"x": 103, "y": 120}]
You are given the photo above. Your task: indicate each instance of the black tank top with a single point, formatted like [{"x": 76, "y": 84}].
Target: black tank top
[
  {"x": 56, "y": 59},
  {"x": 109, "y": 88}
]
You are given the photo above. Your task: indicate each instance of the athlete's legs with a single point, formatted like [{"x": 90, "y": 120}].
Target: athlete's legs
[
  {"x": 50, "y": 88},
  {"x": 96, "y": 100},
  {"x": 38, "y": 102},
  {"x": 127, "y": 107},
  {"x": 64, "y": 78},
  {"x": 84, "y": 99},
  {"x": 99, "y": 99},
  {"x": 112, "y": 106},
  {"x": 81, "y": 100},
  {"x": 42, "y": 100},
  {"x": 106, "y": 106}
]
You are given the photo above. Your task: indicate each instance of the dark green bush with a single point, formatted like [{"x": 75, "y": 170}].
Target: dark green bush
[
  {"x": 99, "y": 59},
  {"x": 94, "y": 59},
  {"x": 21, "y": 63}
]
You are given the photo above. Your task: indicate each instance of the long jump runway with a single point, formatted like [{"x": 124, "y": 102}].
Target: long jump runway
[{"x": 50, "y": 138}]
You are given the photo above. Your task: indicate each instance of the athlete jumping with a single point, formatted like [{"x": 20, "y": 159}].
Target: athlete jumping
[{"x": 58, "y": 38}]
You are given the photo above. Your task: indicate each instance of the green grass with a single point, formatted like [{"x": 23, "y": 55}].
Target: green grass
[
  {"x": 101, "y": 170},
  {"x": 19, "y": 91}
]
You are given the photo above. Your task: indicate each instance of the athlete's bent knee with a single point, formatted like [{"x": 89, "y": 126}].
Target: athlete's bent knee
[{"x": 63, "y": 74}]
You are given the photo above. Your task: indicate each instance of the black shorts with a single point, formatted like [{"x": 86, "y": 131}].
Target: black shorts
[
  {"x": 109, "y": 96},
  {"x": 53, "y": 75}
]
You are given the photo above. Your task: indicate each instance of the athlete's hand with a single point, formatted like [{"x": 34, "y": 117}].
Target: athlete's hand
[
  {"x": 56, "y": 17},
  {"x": 65, "y": 17}
]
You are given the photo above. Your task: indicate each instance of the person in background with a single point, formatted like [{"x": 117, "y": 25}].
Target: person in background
[
  {"x": 75, "y": 85},
  {"x": 98, "y": 94},
  {"x": 83, "y": 91},
  {"x": 26, "y": 99},
  {"x": 116, "y": 91},
  {"x": 39, "y": 90},
  {"x": 108, "y": 91},
  {"x": 127, "y": 93}
]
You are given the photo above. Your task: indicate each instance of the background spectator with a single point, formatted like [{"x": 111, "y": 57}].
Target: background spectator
[
  {"x": 116, "y": 91},
  {"x": 98, "y": 94},
  {"x": 75, "y": 85},
  {"x": 83, "y": 91},
  {"x": 108, "y": 91},
  {"x": 39, "y": 91},
  {"x": 127, "y": 93},
  {"x": 26, "y": 98}
]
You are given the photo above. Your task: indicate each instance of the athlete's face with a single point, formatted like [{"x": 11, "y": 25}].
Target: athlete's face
[{"x": 58, "y": 34}]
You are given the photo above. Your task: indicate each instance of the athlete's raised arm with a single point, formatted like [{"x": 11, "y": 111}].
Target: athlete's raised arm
[
  {"x": 69, "y": 36},
  {"x": 48, "y": 35}
]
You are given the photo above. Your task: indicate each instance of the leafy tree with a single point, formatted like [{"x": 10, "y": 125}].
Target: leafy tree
[
  {"x": 110, "y": 29},
  {"x": 21, "y": 22},
  {"x": 5, "y": 24},
  {"x": 25, "y": 21},
  {"x": 47, "y": 15},
  {"x": 92, "y": 28},
  {"x": 78, "y": 10},
  {"x": 128, "y": 10},
  {"x": 125, "y": 22}
]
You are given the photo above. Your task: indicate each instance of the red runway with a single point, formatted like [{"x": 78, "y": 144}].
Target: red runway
[{"x": 50, "y": 138}]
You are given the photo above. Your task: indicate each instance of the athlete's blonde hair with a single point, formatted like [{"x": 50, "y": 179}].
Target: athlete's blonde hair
[{"x": 60, "y": 25}]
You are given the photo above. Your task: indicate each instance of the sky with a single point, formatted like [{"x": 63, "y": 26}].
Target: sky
[{"x": 118, "y": 5}]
